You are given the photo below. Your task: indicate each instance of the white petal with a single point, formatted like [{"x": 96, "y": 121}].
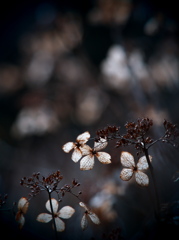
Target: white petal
[
  {"x": 60, "y": 225},
  {"x": 54, "y": 205},
  {"x": 68, "y": 147},
  {"x": 85, "y": 149},
  {"x": 23, "y": 204},
  {"x": 142, "y": 163},
  {"x": 94, "y": 218},
  {"x": 126, "y": 174},
  {"x": 76, "y": 155},
  {"x": 66, "y": 212},
  {"x": 44, "y": 217},
  {"x": 142, "y": 178},
  {"x": 83, "y": 138},
  {"x": 101, "y": 144},
  {"x": 87, "y": 162},
  {"x": 84, "y": 222},
  {"x": 103, "y": 157},
  {"x": 21, "y": 221},
  {"x": 127, "y": 160},
  {"x": 83, "y": 205}
]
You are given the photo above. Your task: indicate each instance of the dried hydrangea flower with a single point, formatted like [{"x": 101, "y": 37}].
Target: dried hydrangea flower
[
  {"x": 65, "y": 213},
  {"x": 77, "y": 146},
  {"x": 22, "y": 205},
  {"x": 127, "y": 160},
  {"x": 84, "y": 221},
  {"x": 87, "y": 162}
]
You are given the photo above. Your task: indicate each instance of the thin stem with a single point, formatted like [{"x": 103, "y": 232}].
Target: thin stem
[
  {"x": 154, "y": 183},
  {"x": 53, "y": 218}
]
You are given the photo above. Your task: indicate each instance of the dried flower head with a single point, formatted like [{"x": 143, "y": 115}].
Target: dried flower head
[
  {"x": 65, "y": 213},
  {"x": 84, "y": 221},
  {"x": 87, "y": 162},
  {"x": 77, "y": 146},
  {"x": 23, "y": 205},
  {"x": 171, "y": 133},
  {"x": 127, "y": 160},
  {"x": 38, "y": 183}
]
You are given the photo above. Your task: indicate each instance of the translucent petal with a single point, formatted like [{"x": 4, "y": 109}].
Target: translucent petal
[
  {"x": 103, "y": 157},
  {"x": 68, "y": 147},
  {"x": 60, "y": 225},
  {"x": 87, "y": 162},
  {"x": 101, "y": 144},
  {"x": 76, "y": 155},
  {"x": 83, "y": 205},
  {"x": 44, "y": 217},
  {"x": 83, "y": 138},
  {"x": 126, "y": 174},
  {"x": 84, "y": 222},
  {"x": 85, "y": 149},
  {"x": 23, "y": 205},
  {"x": 127, "y": 160},
  {"x": 142, "y": 178},
  {"x": 54, "y": 205},
  {"x": 94, "y": 218},
  {"x": 21, "y": 221},
  {"x": 66, "y": 212},
  {"x": 142, "y": 163}
]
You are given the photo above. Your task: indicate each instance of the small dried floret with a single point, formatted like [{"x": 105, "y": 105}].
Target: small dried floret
[
  {"x": 94, "y": 218},
  {"x": 87, "y": 162},
  {"x": 65, "y": 213},
  {"x": 23, "y": 205},
  {"x": 77, "y": 146},
  {"x": 127, "y": 160}
]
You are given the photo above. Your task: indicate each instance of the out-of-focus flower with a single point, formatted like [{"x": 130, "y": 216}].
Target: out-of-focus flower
[
  {"x": 90, "y": 105},
  {"x": 115, "y": 70},
  {"x": 77, "y": 146},
  {"x": 110, "y": 11},
  {"x": 35, "y": 120},
  {"x": 10, "y": 78},
  {"x": 87, "y": 162},
  {"x": 127, "y": 160},
  {"x": 40, "y": 68},
  {"x": 65, "y": 213},
  {"x": 84, "y": 221},
  {"x": 23, "y": 205}
]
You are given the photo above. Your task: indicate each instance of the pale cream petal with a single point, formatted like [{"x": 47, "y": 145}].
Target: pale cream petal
[
  {"x": 83, "y": 138},
  {"x": 126, "y": 174},
  {"x": 84, "y": 222},
  {"x": 76, "y": 155},
  {"x": 54, "y": 205},
  {"x": 142, "y": 178},
  {"x": 127, "y": 160},
  {"x": 101, "y": 144},
  {"x": 68, "y": 147},
  {"x": 87, "y": 162},
  {"x": 142, "y": 163},
  {"x": 60, "y": 225},
  {"x": 21, "y": 221},
  {"x": 94, "y": 218},
  {"x": 82, "y": 204},
  {"x": 85, "y": 149},
  {"x": 103, "y": 157},
  {"x": 44, "y": 217},
  {"x": 66, "y": 212},
  {"x": 23, "y": 205}
]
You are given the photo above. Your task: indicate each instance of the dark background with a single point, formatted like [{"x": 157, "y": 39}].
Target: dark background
[{"x": 67, "y": 67}]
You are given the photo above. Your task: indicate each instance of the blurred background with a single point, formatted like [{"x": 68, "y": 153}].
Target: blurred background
[{"x": 67, "y": 67}]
